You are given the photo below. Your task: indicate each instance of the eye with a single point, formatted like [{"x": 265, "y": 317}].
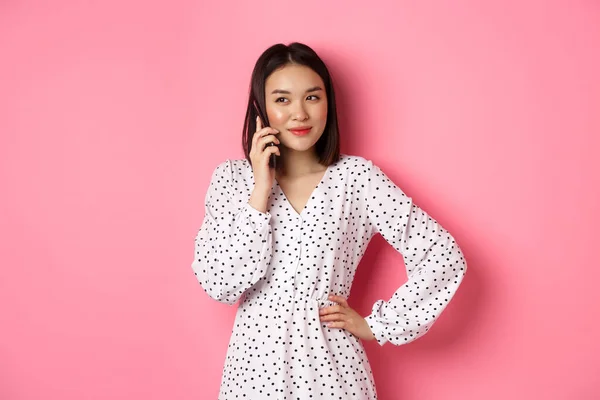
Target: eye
[
  {"x": 315, "y": 97},
  {"x": 280, "y": 100}
]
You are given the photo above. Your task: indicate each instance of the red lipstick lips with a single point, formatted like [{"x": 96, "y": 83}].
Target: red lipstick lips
[{"x": 300, "y": 130}]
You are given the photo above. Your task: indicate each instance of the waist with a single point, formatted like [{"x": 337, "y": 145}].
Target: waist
[{"x": 267, "y": 299}]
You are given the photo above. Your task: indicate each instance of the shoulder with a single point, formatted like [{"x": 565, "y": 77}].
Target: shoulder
[
  {"x": 230, "y": 164},
  {"x": 354, "y": 171},
  {"x": 239, "y": 166},
  {"x": 363, "y": 171},
  {"x": 354, "y": 163}
]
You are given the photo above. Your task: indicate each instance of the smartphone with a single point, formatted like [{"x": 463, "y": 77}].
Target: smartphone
[{"x": 263, "y": 120}]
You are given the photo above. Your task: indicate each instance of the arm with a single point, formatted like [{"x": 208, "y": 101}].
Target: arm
[
  {"x": 434, "y": 262},
  {"x": 233, "y": 247}
]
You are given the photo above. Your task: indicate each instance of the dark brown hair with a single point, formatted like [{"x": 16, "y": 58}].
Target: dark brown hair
[{"x": 278, "y": 56}]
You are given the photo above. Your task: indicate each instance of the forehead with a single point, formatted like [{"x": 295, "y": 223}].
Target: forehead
[{"x": 293, "y": 77}]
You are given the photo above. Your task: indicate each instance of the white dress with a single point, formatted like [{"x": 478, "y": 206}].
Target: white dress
[{"x": 283, "y": 265}]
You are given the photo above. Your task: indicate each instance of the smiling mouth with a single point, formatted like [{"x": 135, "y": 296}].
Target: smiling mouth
[{"x": 300, "y": 132}]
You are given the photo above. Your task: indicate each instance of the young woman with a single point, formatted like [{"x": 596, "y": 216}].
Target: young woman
[{"x": 284, "y": 231}]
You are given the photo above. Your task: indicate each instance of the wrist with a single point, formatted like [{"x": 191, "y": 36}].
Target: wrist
[{"x": 258, "y": 200}]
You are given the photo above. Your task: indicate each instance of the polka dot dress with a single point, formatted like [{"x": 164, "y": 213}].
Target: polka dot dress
[{"x": 282, "y": 265}]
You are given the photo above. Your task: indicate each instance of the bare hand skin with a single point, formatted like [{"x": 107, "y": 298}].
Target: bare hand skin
[
  {"x": 343, "y": 317},
  {"x": 260, "y": 153},
  {"x": 259, "y": 156}
]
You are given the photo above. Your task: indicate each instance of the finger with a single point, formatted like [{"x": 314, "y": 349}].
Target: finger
[
  {"x": 258, "y": 124},
  {"x": 271, "y": 150},
  {"x": 267, "y": 130},
  {"x": 258, "y": 128},
  {"x": 336, "y": 324},
  {"x": 264, "y": 132},
  {"x": 330, "y": 310},
  {"x": 266, "y": 140},
  {"x": 339, "y": 299},
  {"x": 266, "y": 154},
  {"x": 269, "y": 137},
  {"x": 334, "y": 317}
]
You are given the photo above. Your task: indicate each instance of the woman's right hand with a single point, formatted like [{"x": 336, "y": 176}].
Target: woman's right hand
[{"x": 260, "y": 154}]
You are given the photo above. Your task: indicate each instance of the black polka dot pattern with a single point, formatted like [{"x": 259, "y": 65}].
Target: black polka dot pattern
[{"x": 282, "y": 265}]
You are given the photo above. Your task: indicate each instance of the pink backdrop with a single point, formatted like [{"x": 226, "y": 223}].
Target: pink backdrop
[{"x": 113, "y": 115}]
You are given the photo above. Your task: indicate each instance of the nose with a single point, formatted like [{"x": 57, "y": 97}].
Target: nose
[{"x": 299, "y": 113}]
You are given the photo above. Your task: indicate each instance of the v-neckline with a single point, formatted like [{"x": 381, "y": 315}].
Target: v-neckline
[{"x": 310, "y": 197}]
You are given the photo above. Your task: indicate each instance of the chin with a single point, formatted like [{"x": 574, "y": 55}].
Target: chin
[
  {"x": 301, "y": 144},
  {"x": 300, "y": 148}
]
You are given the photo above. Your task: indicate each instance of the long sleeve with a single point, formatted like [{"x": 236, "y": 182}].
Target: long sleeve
[
  {"x": 233, "y": 247},
  {"x": 434, "y": 262}
]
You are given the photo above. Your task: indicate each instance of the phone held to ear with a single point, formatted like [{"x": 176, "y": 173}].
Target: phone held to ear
[{"x": 273, "y": 157}]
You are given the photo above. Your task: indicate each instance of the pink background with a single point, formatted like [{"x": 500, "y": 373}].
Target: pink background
[{"x": 113, "y": 115}]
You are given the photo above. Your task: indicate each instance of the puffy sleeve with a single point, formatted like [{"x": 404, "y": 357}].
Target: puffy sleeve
[
  {"x": 434, "y": 262},
  {"x": 233, "y": 247}
]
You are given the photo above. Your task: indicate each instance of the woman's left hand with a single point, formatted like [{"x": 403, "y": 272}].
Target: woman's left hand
[{"x": 343, "y": 317}]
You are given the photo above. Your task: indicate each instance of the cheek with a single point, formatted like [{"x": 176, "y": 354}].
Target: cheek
[
  {"x": 276, "y": 116},
  {"x": 321, "y": 112}
]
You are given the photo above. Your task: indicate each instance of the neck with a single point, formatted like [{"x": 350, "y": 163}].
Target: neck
[{"x": 297, "y": 163}]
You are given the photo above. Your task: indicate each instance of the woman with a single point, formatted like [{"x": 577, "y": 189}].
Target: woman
[{"x": 285, "y": 237}]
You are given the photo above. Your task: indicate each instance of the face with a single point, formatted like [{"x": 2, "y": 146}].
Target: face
[{"x": 296, "y": 104}]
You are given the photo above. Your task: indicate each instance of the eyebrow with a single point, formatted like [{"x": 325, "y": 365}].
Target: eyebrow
[{"x": 312, "y": 89}]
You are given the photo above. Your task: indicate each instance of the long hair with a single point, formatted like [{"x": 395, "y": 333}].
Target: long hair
[{"x": 278, "y": 56}]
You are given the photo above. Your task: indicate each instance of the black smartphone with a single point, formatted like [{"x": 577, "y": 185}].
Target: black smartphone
[{"x": 264, "y": 122}]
